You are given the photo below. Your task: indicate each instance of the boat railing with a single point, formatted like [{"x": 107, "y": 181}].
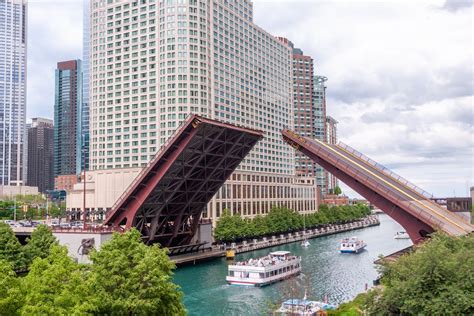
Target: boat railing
[{"x": 267, "y": 262}]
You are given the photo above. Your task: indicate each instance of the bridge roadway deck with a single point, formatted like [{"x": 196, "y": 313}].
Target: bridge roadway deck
[
  {"x": 412, "y": 200},
  {"x": 406, "y": 193}
]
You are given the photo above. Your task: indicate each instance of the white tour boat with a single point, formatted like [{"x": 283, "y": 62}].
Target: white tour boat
[
  {"x": 274, "y": 267},
  {"x": 401, "y": 235},
  {"x": 303, "y": 307},
  {"x": 352, "y": 245}
]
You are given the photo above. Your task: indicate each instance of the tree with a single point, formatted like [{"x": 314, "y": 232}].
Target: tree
[
  {"x": 337, "y": 190},
  {"x": 40, "y": 243},
  {"x": 10, "y": 248},
  {"x": 438, "y": 278},
  {"x": 230, "y": 227},
  {"x": 55, "y": 211},
  {"x": 10, "y": 294},
  {"x": 57, "y": 285},
  {"x": 132, "y": 278}
]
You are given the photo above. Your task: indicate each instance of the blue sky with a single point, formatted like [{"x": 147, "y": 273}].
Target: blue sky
[{"x": 400, "y": 75}]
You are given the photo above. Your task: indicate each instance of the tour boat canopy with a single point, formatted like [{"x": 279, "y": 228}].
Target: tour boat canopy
[{"x": 280, "y": 253}]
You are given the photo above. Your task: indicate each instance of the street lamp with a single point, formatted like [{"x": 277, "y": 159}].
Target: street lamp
[{"x": 84, "y": 225}]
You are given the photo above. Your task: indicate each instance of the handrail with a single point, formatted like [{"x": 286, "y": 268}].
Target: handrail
[
  {"x": 152, "y": 160},
  {"x": 438, "y": 223},
  {"x": 385, "y": 170}
]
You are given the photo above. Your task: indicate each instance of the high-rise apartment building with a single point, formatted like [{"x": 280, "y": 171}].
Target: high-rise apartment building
[
  {"x": 13, "y": 44},
  {"x": 309, "y": 97},
  {"x": 154, "y": 62},
  {"x": 304, "y": 110},
  {"x": 67, "y": 119},
  {"x": 40, "y": 154},
  {"x": 331, "y": 138}
]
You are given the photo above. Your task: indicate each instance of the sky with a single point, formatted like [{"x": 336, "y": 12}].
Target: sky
[{"x": 400, "y": 85}]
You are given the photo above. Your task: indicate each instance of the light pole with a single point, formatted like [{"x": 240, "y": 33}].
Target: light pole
[
  {"x": 14, "y": 208},
  {"x": 84, "y": 195}
]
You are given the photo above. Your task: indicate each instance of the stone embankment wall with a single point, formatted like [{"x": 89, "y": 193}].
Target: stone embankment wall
[{"x": 265, "y": 242}]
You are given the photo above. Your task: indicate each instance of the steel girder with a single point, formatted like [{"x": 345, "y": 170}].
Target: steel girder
[
  {"x": 166, "y": 200},
  {"x": 410, "y": 210}
]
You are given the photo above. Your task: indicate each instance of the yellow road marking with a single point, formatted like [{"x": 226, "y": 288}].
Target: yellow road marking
[
  {"x": 402, "y": 184},
  {"x": 394, "y": 187}
]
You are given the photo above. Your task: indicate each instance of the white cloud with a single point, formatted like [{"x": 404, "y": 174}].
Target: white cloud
[
  {"x": 400, "y": 74},
  {"x": 400, "y": 80},
  {"x": 54, "y": 34}
]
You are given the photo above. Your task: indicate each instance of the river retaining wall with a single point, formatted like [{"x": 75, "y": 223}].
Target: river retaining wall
[{"x": 266, "y": 242}]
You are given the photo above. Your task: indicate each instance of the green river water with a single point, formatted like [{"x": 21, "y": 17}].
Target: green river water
[{"x": 325, "y": 273}]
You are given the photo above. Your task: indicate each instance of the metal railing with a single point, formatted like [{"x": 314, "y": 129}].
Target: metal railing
[
  {"x": 414, "y": 207},
  {"x": 386, "y": 171},
  {"x": 152, "y": 161}
]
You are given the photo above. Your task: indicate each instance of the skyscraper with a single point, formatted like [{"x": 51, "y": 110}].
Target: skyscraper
[
  {"x": 40, "y": 154},
  {"x": 320, "y": 125},
  {"x": 331, "y": 138},
  {"x": 68, "y": 118},
  {"x": 13, "y": 45},
  {"x": 154, "y": 62}
]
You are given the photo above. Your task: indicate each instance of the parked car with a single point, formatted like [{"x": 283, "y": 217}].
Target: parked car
[
  {"x": 54, "y": 222},
  {"x": 77, "y": 224},
  {"x": 26, "y": 223},
  {"x": 65, "y": 225}
]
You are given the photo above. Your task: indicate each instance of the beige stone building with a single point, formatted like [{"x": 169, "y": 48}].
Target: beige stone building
[{"x": 152, "y": 62}]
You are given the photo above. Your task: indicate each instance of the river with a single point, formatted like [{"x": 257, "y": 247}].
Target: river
[{"x": 325, "y": 273}]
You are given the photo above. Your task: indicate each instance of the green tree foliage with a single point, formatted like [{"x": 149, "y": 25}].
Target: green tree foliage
[
  {"x": 282, "y": 220},
  {"x": 437, "y": 279},
  {"x": 126, "y": 277},
  {"x": 352, "y": 308},
  {"x": 55, "y": 211},
  {"x": 10, "y": 294},
  {"x": 230, "y": 227},
  {"x": 6, "y": 209},
  {"x": 132, "y": 278},
  {"x": 10, "y": 248},
  {"x": 40, "y": 243},
  {"x": 57, "y": 285},
  {"x": 337, "y": 190}
]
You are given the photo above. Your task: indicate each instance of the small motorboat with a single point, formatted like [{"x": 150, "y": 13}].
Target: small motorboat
[
  {"x": 304, "y": 307},
  {"x": 401, "y": 235},
  {"x": 305, "y": 243}
]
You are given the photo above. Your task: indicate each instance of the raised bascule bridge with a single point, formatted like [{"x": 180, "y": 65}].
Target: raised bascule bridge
[
  {"x": 166, "y": 200},
  {"x": 407, "y": 204}
]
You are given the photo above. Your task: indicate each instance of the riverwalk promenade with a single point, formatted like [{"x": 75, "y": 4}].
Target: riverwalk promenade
[{"x": 218, "y": 251}]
